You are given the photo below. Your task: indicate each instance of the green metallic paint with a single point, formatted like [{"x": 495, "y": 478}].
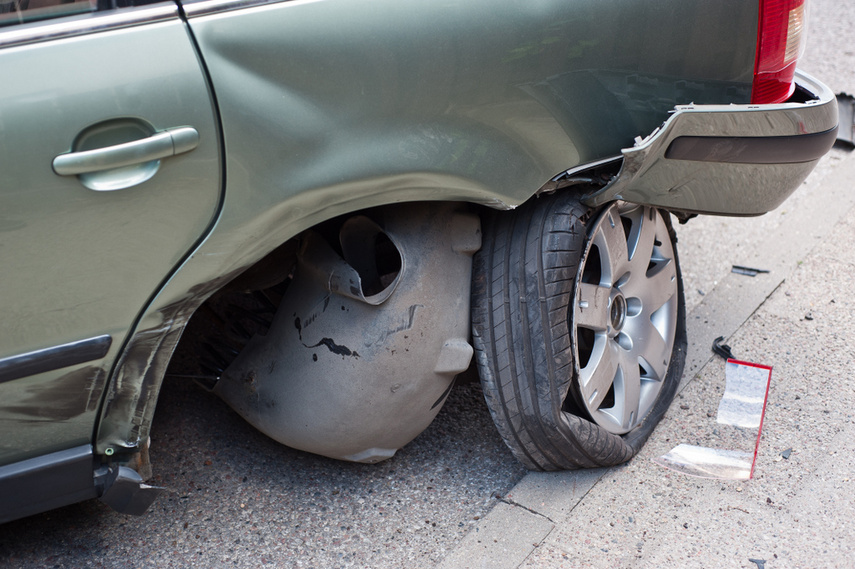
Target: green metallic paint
[
  {"x": 500, "y": 95},
  {"x": 331, "y": 106},
  {"x": 78, "y": 263}
]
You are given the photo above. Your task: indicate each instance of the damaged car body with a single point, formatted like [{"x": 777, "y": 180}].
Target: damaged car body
[{"x": 339, "y": 207}]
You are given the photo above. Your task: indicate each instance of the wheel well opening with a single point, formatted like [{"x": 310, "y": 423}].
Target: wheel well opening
[{"x": 245, "y": 307}]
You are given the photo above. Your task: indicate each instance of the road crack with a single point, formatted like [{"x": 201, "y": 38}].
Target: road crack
[{"x": 510, "y": 502}]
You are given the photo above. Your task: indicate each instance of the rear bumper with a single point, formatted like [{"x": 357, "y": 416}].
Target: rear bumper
[{"x": 728, "y": 159}]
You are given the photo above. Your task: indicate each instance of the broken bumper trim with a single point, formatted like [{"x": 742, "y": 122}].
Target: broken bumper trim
[
  {"x": 754, "y": 149},
  {"x": 728, "y": 159}
]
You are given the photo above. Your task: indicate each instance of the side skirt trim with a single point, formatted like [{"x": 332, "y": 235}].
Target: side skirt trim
[
  {"x": 53, "y": 358},
  {"x": 46, "y": 482}
]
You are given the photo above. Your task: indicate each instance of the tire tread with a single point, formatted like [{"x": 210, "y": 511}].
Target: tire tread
[{"x": 523, "y": 342}]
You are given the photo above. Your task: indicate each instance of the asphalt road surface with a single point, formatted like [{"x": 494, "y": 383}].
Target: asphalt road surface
[{"x": 237, "y": 499}]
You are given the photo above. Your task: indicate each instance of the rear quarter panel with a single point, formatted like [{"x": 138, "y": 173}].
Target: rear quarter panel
[
  {"x": 332, "y": 106},
  {"x": 331, "y": 101}
]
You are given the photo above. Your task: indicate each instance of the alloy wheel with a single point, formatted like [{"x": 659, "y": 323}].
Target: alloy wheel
[{"x": 624, "y": 318}]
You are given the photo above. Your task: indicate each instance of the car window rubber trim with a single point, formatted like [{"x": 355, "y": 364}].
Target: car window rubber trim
[
  {"x": 198, "y": 8},
  {"x": 71, "y": 26}
]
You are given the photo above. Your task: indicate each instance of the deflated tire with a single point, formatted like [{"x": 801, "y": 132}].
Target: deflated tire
[{"x": 579, "y": 329}]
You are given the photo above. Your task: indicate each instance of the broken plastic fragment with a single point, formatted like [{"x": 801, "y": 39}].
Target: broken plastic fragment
[
  {"x": 747, "y": 271},
  {"x": 722, "y": 350},
  {"x": 736, "y": 435},
  {"x": 846, "y": 115},
  {"x": 706, "y": 462}
]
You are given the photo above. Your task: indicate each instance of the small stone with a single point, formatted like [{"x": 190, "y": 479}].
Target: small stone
[
  {"x": 786, "y": 454},
  {"x": 684, "y": 407},
  {"x": 739, "y": 488}
]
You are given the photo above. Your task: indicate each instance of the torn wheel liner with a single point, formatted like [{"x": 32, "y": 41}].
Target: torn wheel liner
[{"x": 357, "y": 364}]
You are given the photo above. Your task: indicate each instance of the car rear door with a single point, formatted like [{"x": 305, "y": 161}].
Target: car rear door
[{"x": 109, "y": 175}]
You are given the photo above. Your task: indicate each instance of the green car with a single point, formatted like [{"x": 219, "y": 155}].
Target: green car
[{"x": 345, "y": 203}]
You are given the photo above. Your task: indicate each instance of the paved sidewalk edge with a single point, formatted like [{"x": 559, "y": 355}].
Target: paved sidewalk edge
[{"x": 509, "y": 533}]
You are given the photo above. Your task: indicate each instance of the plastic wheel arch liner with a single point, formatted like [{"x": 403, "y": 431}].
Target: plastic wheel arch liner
[{"x": 353, "y": 373}]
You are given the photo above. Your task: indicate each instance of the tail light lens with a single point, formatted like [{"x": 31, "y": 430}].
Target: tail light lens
[{"x": 780, "y": 42}]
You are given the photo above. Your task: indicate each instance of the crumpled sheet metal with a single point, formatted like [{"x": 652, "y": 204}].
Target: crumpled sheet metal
[
  {"x": 356, "y": 376},
  {"x": 739, "y": 423},
  {"x": 134, "y": 387}
]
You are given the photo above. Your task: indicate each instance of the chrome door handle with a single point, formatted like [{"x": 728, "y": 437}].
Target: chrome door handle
[{"x": 163, "y": 144}]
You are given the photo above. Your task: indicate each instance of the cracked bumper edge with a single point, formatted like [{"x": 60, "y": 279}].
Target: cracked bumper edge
[{"x": 728, "y": 159}]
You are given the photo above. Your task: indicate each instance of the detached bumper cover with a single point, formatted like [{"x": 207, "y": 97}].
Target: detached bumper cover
[{"x": 728, "y": 159}]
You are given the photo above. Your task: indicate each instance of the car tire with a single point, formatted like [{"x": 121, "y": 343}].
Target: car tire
[{"x": 535, "y": 344}]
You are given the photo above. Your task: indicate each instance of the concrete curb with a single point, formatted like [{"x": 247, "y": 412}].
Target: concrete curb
[{"x": 524, "y": 518}]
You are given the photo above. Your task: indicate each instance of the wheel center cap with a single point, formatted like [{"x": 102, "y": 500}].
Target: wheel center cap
[{"x": 617, "y": 312}]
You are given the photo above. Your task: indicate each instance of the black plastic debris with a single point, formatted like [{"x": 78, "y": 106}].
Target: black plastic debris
[
  {"x": 722, "y": 350},
  {"x": 747, "y": 271},
  {"x": 846, "y": 117}
]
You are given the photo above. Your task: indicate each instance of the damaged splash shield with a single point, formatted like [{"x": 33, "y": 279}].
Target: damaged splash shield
[
  {"x": 358, "y": 361},
  {"x": 728, "y": 159}
]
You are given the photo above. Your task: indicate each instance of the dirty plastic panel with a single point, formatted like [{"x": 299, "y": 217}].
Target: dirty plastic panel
[
  {"x": 736, "y": 437},
  {"x": 357, "y": 364}
]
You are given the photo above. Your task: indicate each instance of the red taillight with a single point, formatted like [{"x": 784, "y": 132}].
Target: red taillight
[{"x": 780, "y": 42}]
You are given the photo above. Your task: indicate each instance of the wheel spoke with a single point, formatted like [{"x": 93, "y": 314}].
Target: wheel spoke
[
  {"x": 597, "y": 377},
  {"x": 593, "y": 308},
  {"x": 613, "y": 247},
  {"x": 659, "y": 286},
  {"x": 650, "y": 345},
  {"x": 655, "y": 288},
  {"x": 628, "y": 393},
  {"x": 641, "y": 240}
]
